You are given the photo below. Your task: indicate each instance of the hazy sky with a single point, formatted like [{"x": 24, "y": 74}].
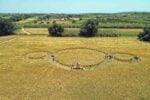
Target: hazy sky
[{"x": 73, "y": 6}]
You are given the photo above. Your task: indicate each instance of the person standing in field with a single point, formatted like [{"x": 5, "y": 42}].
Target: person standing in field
[
  {"x": 53, "y": 58},
  {"x": 78, "y": 65}
]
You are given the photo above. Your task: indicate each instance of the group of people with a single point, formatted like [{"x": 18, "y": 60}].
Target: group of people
[
  {"x": 109, "y": 57},
  {"x": 73, "y": 66},
  {"x": 76, "y": 66},
  {"x": 135, "y": 58},
  {"x": 53, "y": 57}
]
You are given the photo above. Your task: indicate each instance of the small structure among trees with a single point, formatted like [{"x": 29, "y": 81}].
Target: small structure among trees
[{"x": 145, "y": 36}]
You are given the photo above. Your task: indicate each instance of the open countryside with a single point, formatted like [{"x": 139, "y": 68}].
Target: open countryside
[{"x": 85, "y": 56}]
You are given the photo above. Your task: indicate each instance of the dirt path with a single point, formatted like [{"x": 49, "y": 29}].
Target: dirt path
[{"x": 28, "y": 33}]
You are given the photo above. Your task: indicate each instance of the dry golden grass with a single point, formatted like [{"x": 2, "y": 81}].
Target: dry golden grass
[
  {"x": 37, "y": 30},
  {"x": 36, "y": 55},
  {"x": 5, "y": 38},
  {"x": 82, "y": 56},
  {"x": 123, "y": 56},
  {"x": 22, "y": 79}
]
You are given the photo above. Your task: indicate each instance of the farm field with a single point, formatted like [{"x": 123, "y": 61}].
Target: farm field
[
  {"x": 116, "y": 20},
  {"x": 27, "y": 71},
  {"x": 122, "y": 32},
  {"x": 74, "y": 50}
]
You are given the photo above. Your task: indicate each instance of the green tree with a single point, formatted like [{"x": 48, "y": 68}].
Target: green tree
[
  {"x": 6, "y": 27},
  {"x": 80, "y": 18},
  {"x": 55, "y": 30},
  {"x": 89, "y": 28},
  {"x": 145, "y": 36},
  {"x": 73, "y": 21}
]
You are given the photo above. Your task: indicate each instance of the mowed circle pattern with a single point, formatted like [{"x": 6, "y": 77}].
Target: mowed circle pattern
[
  {"x": 80, "y": 58},
  {"x": 84, "y": 56},
  {"x": 124, "y": 57},
  {"x": 37, "y": 55}
]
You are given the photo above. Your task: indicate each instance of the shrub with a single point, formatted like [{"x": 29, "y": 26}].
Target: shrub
[
  {"x": 47, "y": 22},
  {"x": 6, "y": 27},
  {"x": 145, "y": 36},
  {"x": 89, "y": 28},
  {"x": 54, "y": 22},
  {"x": 55, "y": 30},
  {"x": 35, "y": 22},
  {"x": 73, "y": 21},
  {"x": 80, "y": 18}
]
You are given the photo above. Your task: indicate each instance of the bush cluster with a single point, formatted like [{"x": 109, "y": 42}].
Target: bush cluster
[
  {"x": 55, "y": 30},
  {"x": 145, "y": 36},
  {"x": 89, "y": 28},
  {"x": 6, "y": 27}
]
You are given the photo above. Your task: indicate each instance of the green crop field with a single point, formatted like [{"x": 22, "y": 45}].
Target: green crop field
[
  {"x": 27, "y": 71},
  {"x": 75, "y": 31},
  {"x": 116, "y": 20}
]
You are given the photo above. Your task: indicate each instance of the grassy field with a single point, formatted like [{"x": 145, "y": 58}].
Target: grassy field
[
  {"x": 24, "y": 78},
  {"x": 75, "y": 31},
  {"x": 117, "y": 20},
  {"x": 110, "y": 20},
  {"x": 5, "y": 38}
]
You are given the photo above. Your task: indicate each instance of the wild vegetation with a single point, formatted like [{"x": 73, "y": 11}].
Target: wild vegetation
[
  {"x": 89, "y": 28},
  {"x": 118, "y": 20},
  {"x": 6, "y": 27},
  {"x": 55, "y": 30},
  {"x": 145, "y": 36},
  {"x": 110, "y": 24}
]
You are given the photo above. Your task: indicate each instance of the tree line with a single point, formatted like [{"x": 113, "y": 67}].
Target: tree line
[{"x": 88, "y": 29}]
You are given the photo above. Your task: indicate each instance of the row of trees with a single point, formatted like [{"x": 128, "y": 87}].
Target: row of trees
[
  {"x": 19, "y": 17},
  {"x": 88, "y": 29}
]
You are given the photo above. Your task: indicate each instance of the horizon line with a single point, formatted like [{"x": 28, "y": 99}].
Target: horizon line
[{"x": 75, "y": 13}]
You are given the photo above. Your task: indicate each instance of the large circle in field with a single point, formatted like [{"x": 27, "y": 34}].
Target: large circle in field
[{"x": 84, "y": 56}]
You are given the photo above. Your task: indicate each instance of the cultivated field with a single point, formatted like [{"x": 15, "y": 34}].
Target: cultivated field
[
  {"x": 75, "y": 31},
  {"x": 118, "y": 20},
  {"x": 27, "y": 71}
]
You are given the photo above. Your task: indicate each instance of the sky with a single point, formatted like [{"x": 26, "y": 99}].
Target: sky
[{"x": 73, "y": 6}]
